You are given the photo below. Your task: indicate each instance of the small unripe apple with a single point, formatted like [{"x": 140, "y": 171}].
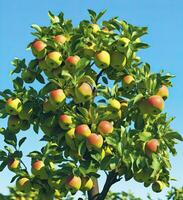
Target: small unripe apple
[
  {"x": 26, "y": 112},
  {"x": 61, "y": 39},
  {"x": 95, "y": 140},
  {"x": 102, "y": 59},
  {"x": 95, "y": 27},
  {"x": 56, "y": 97},
  {"x": 53, "y": 59},
  {"x": 14, "y": 123},
  {"x": 163, "y": 92},
  {"x": 118, "y": 60},
  {"x": 158, "y": 186},
  {"x": 151, "y": 146},
  {"x": 65, "y": 121},
  {"x": 23, "y": 184},
  {"x": 83, "y": 92},
  {"x": 74, "y": 182},
  {"x": 139, "y": 176},
  {"x": 127, "y": 81},
  {"x": 28, "y": 76},
  {"x": 114, "y": 104},
  {"x": 72, "y": 61},
  {"x": 48, "y": 107},
  {"x": 86, "y": 184},
  {"x": 13, "y": 164},
  {"x": 13, "y": 106},
  {"x": 105, "y": 127},
  {"x": 83, "y": 130},
  {"x": 25, "y": 125},
  {"x": 156, "y": 104},
  {"x": 38, "y": 49}
]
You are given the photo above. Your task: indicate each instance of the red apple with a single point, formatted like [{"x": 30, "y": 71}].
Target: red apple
[
  {"x": 65, "y": 121},
  {"x": 128, "y": 81},
  {"x": 151, "y": 146},
  {"x": 83, "y": 130},
  {"x": 105, "y": 127},
  {"x": 156, "y": 104},
  {"x": 53, "y": 59},
  {"x": 56, "y": 97},
  {"x": 72, "y": 61},
  {"x": 61, "y": 39},
  {"x": 38, "y": 49},
  {"x": 95, "y": 140},
  {"x": 74, "y": 182},
  {"x": 13, "y": 106}
]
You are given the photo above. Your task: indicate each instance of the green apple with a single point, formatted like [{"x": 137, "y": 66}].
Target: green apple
[
  {"x": 114, "y": 104},
  {"x": 53, "y": 59},
  {"x": 122, "y": 43},
  {"x": 23, "y": 184},
  {"x": 14, "y": 123},
  {"x": 38, "y": 49},
  {"x": 28, "y": 76},
  {"x": 158, "y": 186},
  {"x": 86, "y": 184},
  {"x": 13, "y": 164},
  {"x": 88, "y": 50},
  {"x": 163, "y": 92},
  {"x": 70, "y": 138},
  {"x": 102, "y": 59},
  {"x": 13, "y": 106},
  {"x": 118, "y": 60},
  {"x": 48, "y": 107},
  {"x": 25, "y": 125}
]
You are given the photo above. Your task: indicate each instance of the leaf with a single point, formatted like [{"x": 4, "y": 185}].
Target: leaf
[
  {"x": 36, "y": 27},
  {"x": 105, "y": 163},
  {"x": 105, "y": 80},
  {"x": 137, "y": 98},
  {"x": 40, "y": 78},
  {"x": 100, "y": 14},
  {"x": 82, "y": 148},
  {"x": 141, "y": 45},
  {"x": 174, "y": 135},
  {"x": 83, "y": 62},
  {"x": 3, "y": 165},
  {"x": 18, "y": 84},
  {"x": 14, "y": 178},
  {"x": 22, "y": 141},
  {"x": 93, "y": 15}
]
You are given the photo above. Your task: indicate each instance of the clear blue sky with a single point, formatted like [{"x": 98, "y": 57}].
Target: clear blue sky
[{"x": 165, "y": 21}]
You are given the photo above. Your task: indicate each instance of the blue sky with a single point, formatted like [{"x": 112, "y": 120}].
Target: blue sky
[{"x": 165, "y": 21}]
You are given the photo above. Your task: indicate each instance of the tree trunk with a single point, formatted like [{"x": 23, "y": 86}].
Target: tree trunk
[{"x": 94, "y": 192}]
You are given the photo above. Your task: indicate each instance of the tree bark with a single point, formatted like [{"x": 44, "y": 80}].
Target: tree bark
[{"x": 94, "y": 192}]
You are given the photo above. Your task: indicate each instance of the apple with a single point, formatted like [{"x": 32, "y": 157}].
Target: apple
[
  {"x": 86, "y": 184},
  {"x": 73, "y": 182},
  {"x": 139, "y": 176},
  {"x": 65, "y": 121},
  {"x": 118, "y": 60},
  {"x": 14, "y": 123},
  {"x": 94, "y": 140},
  {"x": 156, "y": 104},
  {"x": 13, "y": 164},
  {"x": 122, "y": 43},
  {"x": 28, "y": 76},
  {"x": 102, "y": 59},
  {"x": 38, "y": 169},
  {"x": 72, "y": 61},
  {"x": 114, "y": 104},
  {"x": 163, "y": 92},
  {"x": 151, "y": 146},
  {"x": 128, "y": 81},
  {"x": 60, "y": 39},
  {"x": 25, "y": 125},
  {"x": 48, "y": 107},
  {"x": 158, "y": 186},
  {"x": 26, "y": 111},
  {"x": 88, "y": 50},
  {"x": 23, "y": 184},
  {"x": 95, "y": 28},
  {"x": 38, "y": 49},
  {"x": 106, "y": 30},
  {"x": 83, "y": 130},
  {"x": 105, "y": 127},
  {"x": 70, "y": 138},
  {"x": 53, "y": 59},
  {"x": 83, "y": 92},
  {"x": 57, "y": 97},
  {"x": 13, "y": 106}
]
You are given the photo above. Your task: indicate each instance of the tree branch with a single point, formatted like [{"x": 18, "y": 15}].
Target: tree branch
[{"x": 94, "y": 192}]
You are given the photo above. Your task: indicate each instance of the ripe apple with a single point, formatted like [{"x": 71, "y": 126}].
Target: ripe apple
[
  {"x": 73, "y": 182},
  {"x": 158, "y": 186},
  {"x": 83, "y": 130},
  {"x": 128, "y": 81},
  {"x": 28, "y": 76},
  {"x": 105, "y": 127},
  {"x": 86, "y": 184},
  {"x": 26, "y": 112},
  {"x": 72, "y": 61},
  {"x": 14, "y": 123},
  {"x": 102, "y": 59},
  {"x": 23, "y": 184},
  {"x": 151, "y": 146},
  {"x": 38, "y": 169},
  {"x": 156, "y": 104},
  {"x": 38, "y": 49},
  {"x": 95, "y": 27},
  {"x": 83, "y": 92},
  {"x": 48, "y": 107},
  {"x": 65, "y": 121},
  {"x": 163, "y": 92},
  {"x": 13, "y": 164},
  {"x": 94, "y": 140},
  {"x": 57, "y": 97},
  {"x": 118, "y": 60},
  {"x": 61, "y": 39},
  {"x": 53, "y": 59},
  {"x": 13, "y": 106},
  {"x": 114, "y": 104}
]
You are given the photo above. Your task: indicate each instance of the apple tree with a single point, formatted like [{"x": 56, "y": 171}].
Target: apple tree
[{"x": 100, "y": 108}]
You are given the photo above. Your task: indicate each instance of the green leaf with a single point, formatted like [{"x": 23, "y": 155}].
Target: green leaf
[
  {"x": 36, "y": 27},
  {"x": 18, "y": 84},
  {"x": 3, "y": 165},
  {"x": 40, "y": 78},
  {"x": 22, "y": 141},
  {"x": 174, "y": 135},
  {"x": 137, "y": 98},
  {"x": 100, "y": 15},
  {"x": 93, "y": 15},
  {"x": 105, "y": 80},
  {"x": 141, "y": 45}
]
